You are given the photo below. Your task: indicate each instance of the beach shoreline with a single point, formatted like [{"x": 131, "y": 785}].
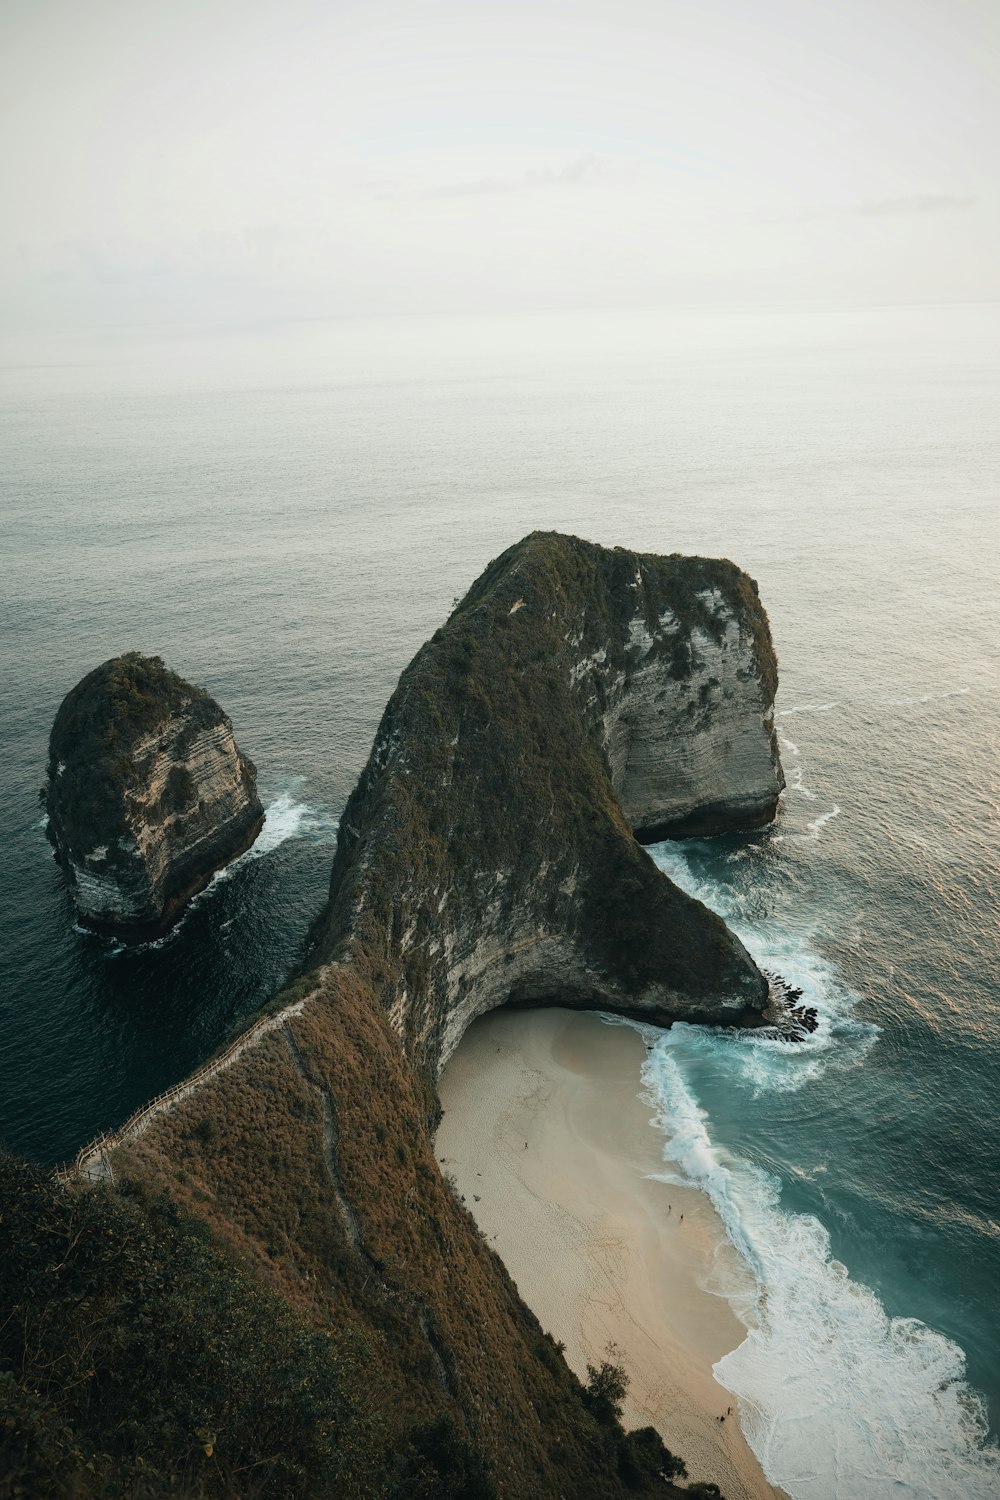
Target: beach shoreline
[{"x": 548, "y": 1136}]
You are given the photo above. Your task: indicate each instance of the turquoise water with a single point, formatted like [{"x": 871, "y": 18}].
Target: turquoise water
[{"x": 285, "y": 515}]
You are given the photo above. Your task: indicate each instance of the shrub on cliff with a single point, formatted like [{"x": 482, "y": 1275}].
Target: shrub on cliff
[
  {"x": 439, "y": 1464},
  {"x": 98, "y": 723},
  {"x": 604, "y": 1393},
  {"x": 643, "y": 1458},
  {"x": 135, "y": 1361}
]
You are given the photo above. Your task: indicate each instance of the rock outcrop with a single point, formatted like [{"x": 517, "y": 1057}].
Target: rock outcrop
[
  {"x": 577, "y": 699},
  {"x": 148, "y": 795},
  {"x": 487, "y": 855}
]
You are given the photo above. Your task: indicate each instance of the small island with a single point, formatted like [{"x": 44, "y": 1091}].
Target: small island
[{"x": 148, "y": 795}]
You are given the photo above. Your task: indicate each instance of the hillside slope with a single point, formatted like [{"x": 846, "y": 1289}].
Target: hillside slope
[{"x": 487, "y": 856}]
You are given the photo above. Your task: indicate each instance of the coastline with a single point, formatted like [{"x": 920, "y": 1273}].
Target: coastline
[{"x": 547, "y": 1137}]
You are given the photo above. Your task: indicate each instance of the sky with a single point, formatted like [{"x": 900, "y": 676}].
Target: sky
[{"x": 220, "y": 162}]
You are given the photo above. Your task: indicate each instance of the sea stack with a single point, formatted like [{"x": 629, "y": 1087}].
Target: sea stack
[
  {"x": 148, "y": 795},
  {"x": 580, "y": 701}
]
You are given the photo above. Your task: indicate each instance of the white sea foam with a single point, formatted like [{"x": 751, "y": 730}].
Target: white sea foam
[
  {"x": 762, "y": 1061},
  {"x": 926, "y": 698},
  {"x": 818, "y": 824},
  {"x": 838, "y": 1400},
  {"x": 908, "y": 702},
  {"x": 808, "y": 708},
  {"x": 284, "y": 819},
  {"x": 795, "y": 781}
]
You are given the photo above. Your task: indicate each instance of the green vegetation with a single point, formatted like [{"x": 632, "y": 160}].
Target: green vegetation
[
  {"x": 466, "y": 1392},
  {"x": 504, "y": 770},
  {"x": 643, "y": 1458},
  {"x": 135, "y": 1362},
  {"x": 119, "y": 783},
  {"x": 439, "y": 1464},
  {"x": 283, "y": 1297},
  {"x": 179, "y": 791},
  {"x": 95, "y": 730}
]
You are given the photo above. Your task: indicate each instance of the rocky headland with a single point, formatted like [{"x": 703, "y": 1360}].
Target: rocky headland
[
  {"x": 148, "y": 795},
  {"x": 576, "y": 698}
]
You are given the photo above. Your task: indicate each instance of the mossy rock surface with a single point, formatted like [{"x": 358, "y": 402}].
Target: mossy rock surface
[
  {"x": 148, "y": 794},
  {"x": 98, "y": 725},
  {"x": 486, "y": 829}
]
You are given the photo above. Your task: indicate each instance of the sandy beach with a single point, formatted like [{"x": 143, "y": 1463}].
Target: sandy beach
[{"x": 549, "y": 1141}]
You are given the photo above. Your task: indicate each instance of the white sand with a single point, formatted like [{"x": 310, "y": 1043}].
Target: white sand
[{"x": 549, "y": 1140}]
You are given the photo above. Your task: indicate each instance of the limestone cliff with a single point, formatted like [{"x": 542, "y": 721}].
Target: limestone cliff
[
  {"x": 577, "y": 697},
  {"x": 148, "y": 794}
]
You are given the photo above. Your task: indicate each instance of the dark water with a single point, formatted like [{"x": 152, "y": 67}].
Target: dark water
[{"x": 285, "y": 516}]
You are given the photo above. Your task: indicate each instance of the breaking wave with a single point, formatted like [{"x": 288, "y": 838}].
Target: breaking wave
[
  {"x": 285, "y": 818},
  {"x": 838, "y": 1400}
]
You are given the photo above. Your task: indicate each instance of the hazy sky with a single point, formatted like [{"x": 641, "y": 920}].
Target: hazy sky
[{"x": 222, "y": 160}]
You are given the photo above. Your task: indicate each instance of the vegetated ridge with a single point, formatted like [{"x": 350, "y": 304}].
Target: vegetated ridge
[
  {"x": 296, "y": 1195},
  {"x": 148, "y": 794},
  {"x": 577, "y": 697}
]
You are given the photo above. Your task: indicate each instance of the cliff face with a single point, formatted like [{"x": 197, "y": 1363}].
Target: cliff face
[
  {"x": 577, "y": 697},
  {"x": 692, "y": 749},
  {"x": 312, "y": 1162},
  {"x": 148, "y": 794},
  {"x": 487, "y": 855}
]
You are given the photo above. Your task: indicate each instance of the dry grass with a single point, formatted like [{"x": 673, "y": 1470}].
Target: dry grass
[
  {"x": 246, "y": 1156},
  {"x": 310, "y": 1161}
]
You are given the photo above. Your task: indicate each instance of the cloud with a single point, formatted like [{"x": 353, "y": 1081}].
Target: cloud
[
  {"x": 919, "y": 203},
  {"x": 582, "y": 170}
]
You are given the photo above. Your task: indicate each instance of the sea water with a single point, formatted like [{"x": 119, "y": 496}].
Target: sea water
[
  {"x": 285, "y": 514},
  {"x": 839, "y": 1398}
]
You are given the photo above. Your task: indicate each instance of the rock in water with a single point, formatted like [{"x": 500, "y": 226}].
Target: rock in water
[
  {"x": 148, "y": 795},
  {"x": 577, "y": 700}
]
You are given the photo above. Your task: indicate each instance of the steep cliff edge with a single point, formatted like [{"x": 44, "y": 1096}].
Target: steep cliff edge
[
  {"x": 487, "y": 855},
  {"x": 148, "y": 794},
  {"x": 577, "y": 697}
]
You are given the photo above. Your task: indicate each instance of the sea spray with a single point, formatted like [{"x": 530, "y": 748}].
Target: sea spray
[
  {"x": 839, "y": 1400},
  {"x": 764, "y": 1061},
  {"x": 285, "y": 818}
]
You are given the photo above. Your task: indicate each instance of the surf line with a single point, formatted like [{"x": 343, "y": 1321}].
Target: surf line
[
  {"x": 817, "y": 825},
  {"x": 808, "y": 708}
]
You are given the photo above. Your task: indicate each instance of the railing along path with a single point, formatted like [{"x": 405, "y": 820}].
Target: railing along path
[{"x": 93, "y": 1161}]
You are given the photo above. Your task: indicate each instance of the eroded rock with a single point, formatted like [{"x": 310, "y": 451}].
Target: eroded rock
[
  {"x": 577, "y": 699},
  {"x": 148, "y": 795}
]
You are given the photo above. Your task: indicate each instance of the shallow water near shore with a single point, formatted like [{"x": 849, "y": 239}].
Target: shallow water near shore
[
  {"x": 838, "y": 1391},
  {"x": 286, "y": 514}
]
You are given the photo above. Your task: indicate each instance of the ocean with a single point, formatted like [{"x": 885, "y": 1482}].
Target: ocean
[{"x": 286, "y": 514}]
